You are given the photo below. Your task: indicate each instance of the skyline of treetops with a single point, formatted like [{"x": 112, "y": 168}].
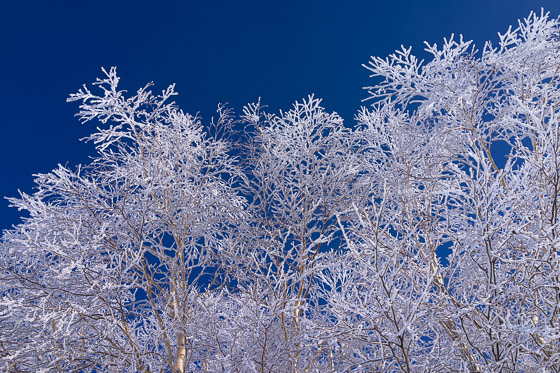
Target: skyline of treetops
[{"x": 424, "y": 237}]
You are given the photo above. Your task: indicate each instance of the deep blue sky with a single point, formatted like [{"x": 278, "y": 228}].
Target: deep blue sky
[{"x": 216, "y": 51}]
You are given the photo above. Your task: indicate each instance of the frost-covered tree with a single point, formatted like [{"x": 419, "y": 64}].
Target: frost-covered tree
[
  {"x": 434, "y": 145},
  {"x": 424, "y": 239},
  {"x": 117, "y": 258}
]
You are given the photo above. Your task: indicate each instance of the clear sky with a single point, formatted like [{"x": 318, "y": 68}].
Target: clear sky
[{"x": 216, "y": 51}]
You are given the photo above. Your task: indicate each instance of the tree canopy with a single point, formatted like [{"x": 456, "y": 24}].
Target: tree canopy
[{"x": 425, "y": 238}]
